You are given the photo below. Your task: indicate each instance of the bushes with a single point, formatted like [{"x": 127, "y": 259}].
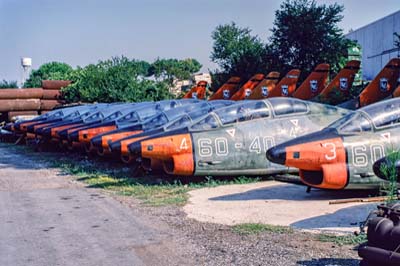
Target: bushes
[
  {"x": 114, "y": 80},
  {"x": 8, "y": 84},
  {"x": 52, "y": 71},
  {"x": 118, "y": 79}
]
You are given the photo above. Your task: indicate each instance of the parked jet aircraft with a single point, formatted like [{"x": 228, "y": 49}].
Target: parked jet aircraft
[
  {"x": 226, "y": 90},
  {"x": 197, "y": 92},
  {"x": 248, "y": 87},
  {"x": 284, "y": 88},
  {"x": 339, "y": 88},
  {"x": 379, "y": 88},
  {"x": 55, "y": 115},
  {"x": 341, "y": 155},
  {"x": 313, "y": 84},
  {"x": 61, "y": 130},
  {"x": 141, "y": 120},
  {"x": 121, "y": 138},
  {"x": 268, "y": 82},
  {"x": 231, "y": 140}
]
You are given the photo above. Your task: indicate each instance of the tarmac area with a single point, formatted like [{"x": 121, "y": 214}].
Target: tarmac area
[
  {"x": 48, "y": 218},
  {"x": 277, "y": 203}
]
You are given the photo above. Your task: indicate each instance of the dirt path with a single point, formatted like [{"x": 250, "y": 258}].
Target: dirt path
[{"x": 47, "y": 219}]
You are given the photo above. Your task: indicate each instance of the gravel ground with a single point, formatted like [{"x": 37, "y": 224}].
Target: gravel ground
[
  {"x": 199, "y": 243},
  {"x": 213, "y": 244}
]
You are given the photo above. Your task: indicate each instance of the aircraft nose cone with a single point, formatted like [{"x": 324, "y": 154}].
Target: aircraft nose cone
[
  {"x": 135, "y": 148},
  {"x": 96, "y": 141},
  {"x": 277, "y": 154}
]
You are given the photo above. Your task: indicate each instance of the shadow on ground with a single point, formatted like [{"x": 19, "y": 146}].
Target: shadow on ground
[
  {"x": 329, "y": 262},
  {"x": 295, "y": 193}
]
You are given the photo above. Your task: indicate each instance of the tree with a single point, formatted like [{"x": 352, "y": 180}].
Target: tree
[
  {"x": 237, "y": 52},
  {"x": 171, "y": 69},
  {"x": 8, "y": 84},
  {"x": 114, "y": 80},
  {"x": 52, "y": 71},
  {"x": 306, "y": 34}
]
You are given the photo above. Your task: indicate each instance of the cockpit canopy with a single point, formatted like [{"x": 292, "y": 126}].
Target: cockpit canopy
[
  {"x": 379, "y": 115},
  {"x": 251, "y": 110},
  {"x": 287, "y": 106}
]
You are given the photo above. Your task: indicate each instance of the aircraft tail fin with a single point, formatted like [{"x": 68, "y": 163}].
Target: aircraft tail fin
[
  {"x": 197, "y": 92},
  {"x": 227, "y": 89},
  {"x": 247, "y": 88},
  {"x": 382, "y": 85},
  {"x": 287, "y": 85},
  {"x": 340, "y": 86},
  {"x": 313, "y": 84},
  {"x": 267, "y": 84}
]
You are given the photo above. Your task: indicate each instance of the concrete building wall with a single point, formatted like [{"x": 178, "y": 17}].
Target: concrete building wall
[{"x": 377, "y": 43}]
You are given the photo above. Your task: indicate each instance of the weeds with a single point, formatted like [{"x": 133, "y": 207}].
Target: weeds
[
  {"x": 256, "y": 228},
  {"x": 390, "y": 171},
  {"x": 151, "y": 190},
  {"x": 343, "y": 240}
]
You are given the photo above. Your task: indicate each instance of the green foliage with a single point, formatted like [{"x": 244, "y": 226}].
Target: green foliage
[
  {"x": 237, "y": 52},
  {"x": 8, "y": 84},
  {"x": 170, "y": 69},
  {"x": 126, "y": 80},
  {"x": 343, "y": 239},
  {"x": 48, "y": 71},
  {"x": 389, "y": 170},
  {"x": 255, "y": 228},
  {"x": 114, "y": 80},
  {"x": 306, "y": 34}
]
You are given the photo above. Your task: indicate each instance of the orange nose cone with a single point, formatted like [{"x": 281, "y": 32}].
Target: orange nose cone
[
  {"x": 55, "y": 130},
  {"x": 88, "y": 134},
  {"x": 175, "y": 151},
  {"x": 164, "y": 147},
  {"x": 24, "y": 126},
  {"x": 117, "y": 136},
  {"x": 126, "y": 143},
  {"x": 322, "y": 163}
]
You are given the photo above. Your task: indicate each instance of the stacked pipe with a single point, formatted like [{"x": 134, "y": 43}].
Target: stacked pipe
[
  {"x": 383, "y": 246},
  {"x": 31, "y": 101}
]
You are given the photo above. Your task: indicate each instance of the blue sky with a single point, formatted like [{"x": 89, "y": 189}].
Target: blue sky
[{"x": 80, "y": 32}]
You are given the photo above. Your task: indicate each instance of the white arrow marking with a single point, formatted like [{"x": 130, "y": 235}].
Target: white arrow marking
[
  {"x": 295, "y": 122},
  {"x": 386, "y": 136},
  {"x": 231, "y": 132}
]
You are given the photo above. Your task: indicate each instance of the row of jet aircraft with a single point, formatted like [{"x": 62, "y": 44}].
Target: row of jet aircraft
[{"x": 331, "y": 147}]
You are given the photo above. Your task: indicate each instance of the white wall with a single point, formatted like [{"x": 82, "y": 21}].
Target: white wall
[{"x": 376, "y": 38}]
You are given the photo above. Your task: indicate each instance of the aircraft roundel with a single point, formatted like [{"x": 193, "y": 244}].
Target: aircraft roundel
[
  {"x": 247, "y": 93},
  {"x": 343, "y": 84},
  {"x": 383, "y": 82},
  {"x": 226, "y": 94},
  {"x": 285, "y": 90},
  {"x": 313, "y": 85},
  {"x": 264, "y": 91}
]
